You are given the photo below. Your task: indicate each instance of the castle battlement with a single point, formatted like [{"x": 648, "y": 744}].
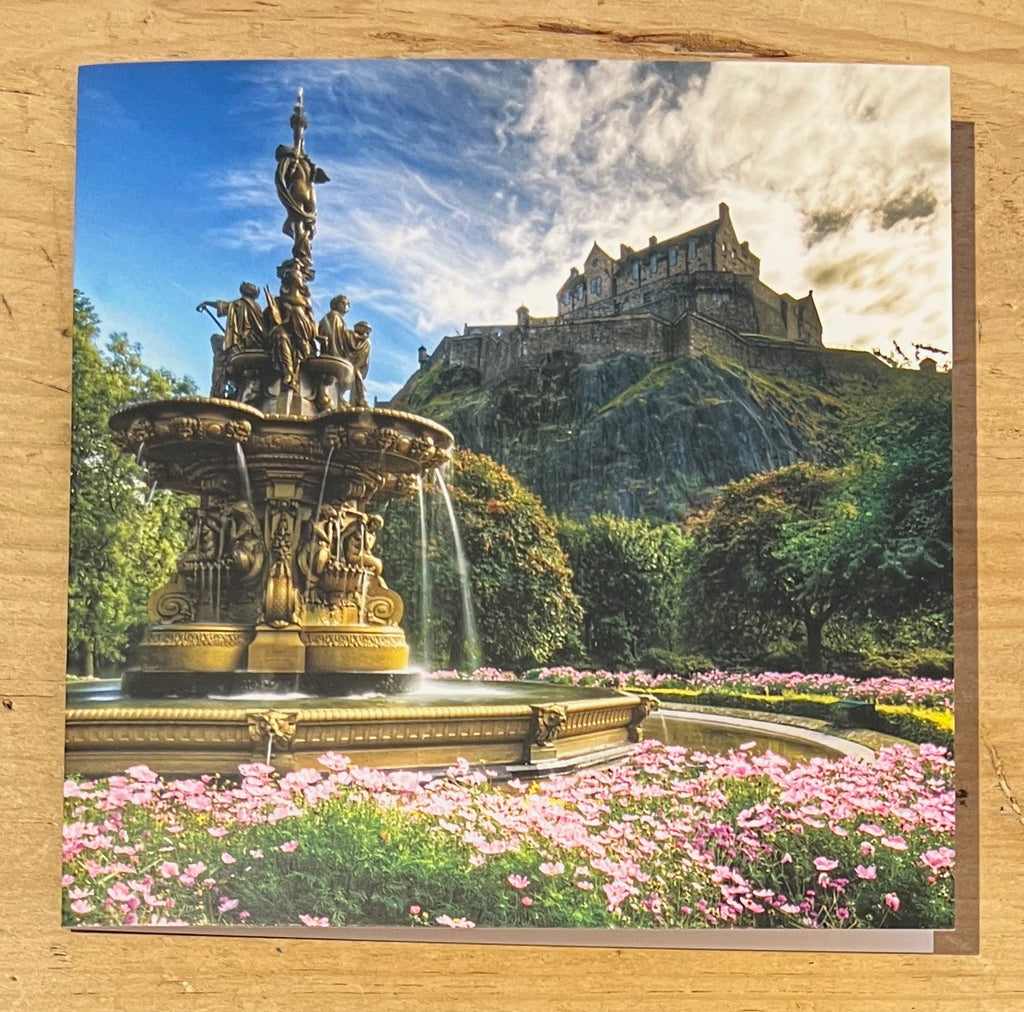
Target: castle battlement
[{"x": 696, "y": 293}]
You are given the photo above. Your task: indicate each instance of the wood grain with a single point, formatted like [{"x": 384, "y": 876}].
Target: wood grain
[{"x": 42, "y": 966}]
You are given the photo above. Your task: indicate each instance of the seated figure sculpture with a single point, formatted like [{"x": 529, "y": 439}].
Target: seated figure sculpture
[
  {"x": 244, "y": 334},
  {"x": 352, "y": 346}
]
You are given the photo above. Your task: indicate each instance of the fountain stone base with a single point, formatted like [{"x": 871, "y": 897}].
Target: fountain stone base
[{"x": 519, "y": 729}]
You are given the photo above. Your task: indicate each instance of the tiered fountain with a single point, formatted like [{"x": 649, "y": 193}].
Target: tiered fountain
[{"x": 278, "y": 637}]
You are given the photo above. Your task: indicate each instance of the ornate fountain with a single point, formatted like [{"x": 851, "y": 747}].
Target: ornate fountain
[{"x": 278, "y": 612}]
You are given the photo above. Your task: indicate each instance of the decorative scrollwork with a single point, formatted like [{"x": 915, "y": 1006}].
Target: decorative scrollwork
[
  {"x": 172, "y": 604},
  {"x": 239, "y": 430},
  {"x": 185, "y": 428},
  {"x": 548, "y": 723},
  {"x": 385, "y": 609},
  {"x": 644, "y": 708},
  {"x": 281, "y": 724}
]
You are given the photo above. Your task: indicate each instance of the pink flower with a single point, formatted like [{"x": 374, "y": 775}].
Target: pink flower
[
  {"x": 334, "y": 761},
  {"x": 414, "y": 910},
  {"x": 66, "y": 880},
  {"x": 552, "y": 868},
  {"x": 226, "y": 904},
  {"x": 454, "y": 922},
  {"x": 255, "y": 770},
  {"x": 217, "y": 832},
  {"x": 871, "y": 829},
  {"x": 314, "y": 922},
  {"x": 289, "y": 846},
  {"x": 119, "y": 892},
  {"x": 81, "y": 907},
  {"x": 892, "y": 901},
  {"x": 526, "y": 901},
  {"x": 941, "y": 858},
  {"x": 142, "y": 773},
  {"x": 825, "y": 864},
  {"x": 893, "y": 842},
  {"x": 227, "y": 858},
  {"x": 615, "y": 893},
  {"x": 868, "y": 873},
  {"x": 518, "y": 881}
]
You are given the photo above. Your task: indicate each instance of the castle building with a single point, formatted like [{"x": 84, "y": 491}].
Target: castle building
[
  {"x": 707, "y": 271},
  {"x": 697, "y": 293}
]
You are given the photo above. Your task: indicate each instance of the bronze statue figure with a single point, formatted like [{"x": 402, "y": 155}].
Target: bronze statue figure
[
  {"x": 332, "y": 328},
  {"x": 338, "y": 341},
  {"x": 294, "y": 178},
  {"x": 244, "y": 318}
]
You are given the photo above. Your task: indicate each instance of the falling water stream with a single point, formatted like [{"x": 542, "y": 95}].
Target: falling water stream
[
  {"x": 426, "y": 645},
  {"x": 470, "y": 637},
  {"x": 323, "y": 483},
  {"x": 243, "y": 473}
]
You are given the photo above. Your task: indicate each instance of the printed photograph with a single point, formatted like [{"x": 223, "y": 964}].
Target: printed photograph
[{"x": 511, "y": 495}]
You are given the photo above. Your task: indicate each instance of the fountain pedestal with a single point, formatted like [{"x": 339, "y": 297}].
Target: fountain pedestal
[{"x": 279, "y": 578}]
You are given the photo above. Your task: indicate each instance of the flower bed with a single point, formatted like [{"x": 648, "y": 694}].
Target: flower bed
[
  {"x": 916, "y": 709},
  {"x": 668, "y": 838}
]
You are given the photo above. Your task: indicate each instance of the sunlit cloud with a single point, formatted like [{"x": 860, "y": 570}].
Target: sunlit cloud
[{"x": 460, "y": 190}]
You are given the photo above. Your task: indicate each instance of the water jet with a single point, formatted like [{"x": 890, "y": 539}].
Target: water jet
[{"x": 278, "y": 634}]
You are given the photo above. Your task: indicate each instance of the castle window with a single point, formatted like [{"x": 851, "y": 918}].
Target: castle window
[
  {"x": 595, "y": 286},
  {"x": 673, "y": 256},
  {"x": 580, "y": 291},
  {"x": 654, "y": 265},
  {"x": 636, "y": 270},
  {"x": 692, "y": 251},
  {"x": 566, "y": 297}
]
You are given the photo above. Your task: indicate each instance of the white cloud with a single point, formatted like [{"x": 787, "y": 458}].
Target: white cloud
[{"x": 837, "y": 175}]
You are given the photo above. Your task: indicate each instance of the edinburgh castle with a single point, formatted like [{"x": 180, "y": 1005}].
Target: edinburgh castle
[{"x": 694, "y": 294}]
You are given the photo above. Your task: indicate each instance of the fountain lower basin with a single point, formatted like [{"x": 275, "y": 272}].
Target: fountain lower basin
[{"x": 519, "y": 728}]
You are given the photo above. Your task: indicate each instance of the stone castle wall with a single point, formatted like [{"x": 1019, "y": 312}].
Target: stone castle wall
[
  {"x": 702, "y": 336},
  {"x": 493, "y": 351}
]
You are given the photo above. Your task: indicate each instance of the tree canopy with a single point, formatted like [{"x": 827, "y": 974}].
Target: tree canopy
[
  {"x": 870, "y": 541},
  {"x": 772, "y": 549},
  {"x": 628, "y": 575},
  {"x": 524, "y": 604},
  {"x": 121, "y": 545}
]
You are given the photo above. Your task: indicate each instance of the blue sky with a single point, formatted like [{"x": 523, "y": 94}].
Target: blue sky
[{"x": 460, "y": 190}]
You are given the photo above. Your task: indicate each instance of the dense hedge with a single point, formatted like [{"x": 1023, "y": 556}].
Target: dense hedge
[{"x": 910, "y": 723}]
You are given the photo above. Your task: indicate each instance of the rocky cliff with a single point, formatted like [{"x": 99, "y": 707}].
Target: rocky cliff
[{"x": 627, "y": 436}]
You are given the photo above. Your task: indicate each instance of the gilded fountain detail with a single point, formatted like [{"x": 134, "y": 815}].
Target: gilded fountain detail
[
  {"x": 278, "y": 636},
  {"x": 279, "y": 585}
]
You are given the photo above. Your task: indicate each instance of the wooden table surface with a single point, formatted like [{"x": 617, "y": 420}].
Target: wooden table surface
[{"x": 43, "y": 42}]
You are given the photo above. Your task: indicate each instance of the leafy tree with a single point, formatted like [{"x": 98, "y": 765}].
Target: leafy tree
[
  {"x": 904, "y": 486},
  {"x": 121, "y": 547},
  {"x": 520, "y": 580},
  {"x": 628, "y": 576},
  {"x": 773, "y": 549}
]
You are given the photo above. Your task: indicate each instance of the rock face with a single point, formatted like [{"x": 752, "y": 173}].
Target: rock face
[{"x": 627, "y": 436}]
